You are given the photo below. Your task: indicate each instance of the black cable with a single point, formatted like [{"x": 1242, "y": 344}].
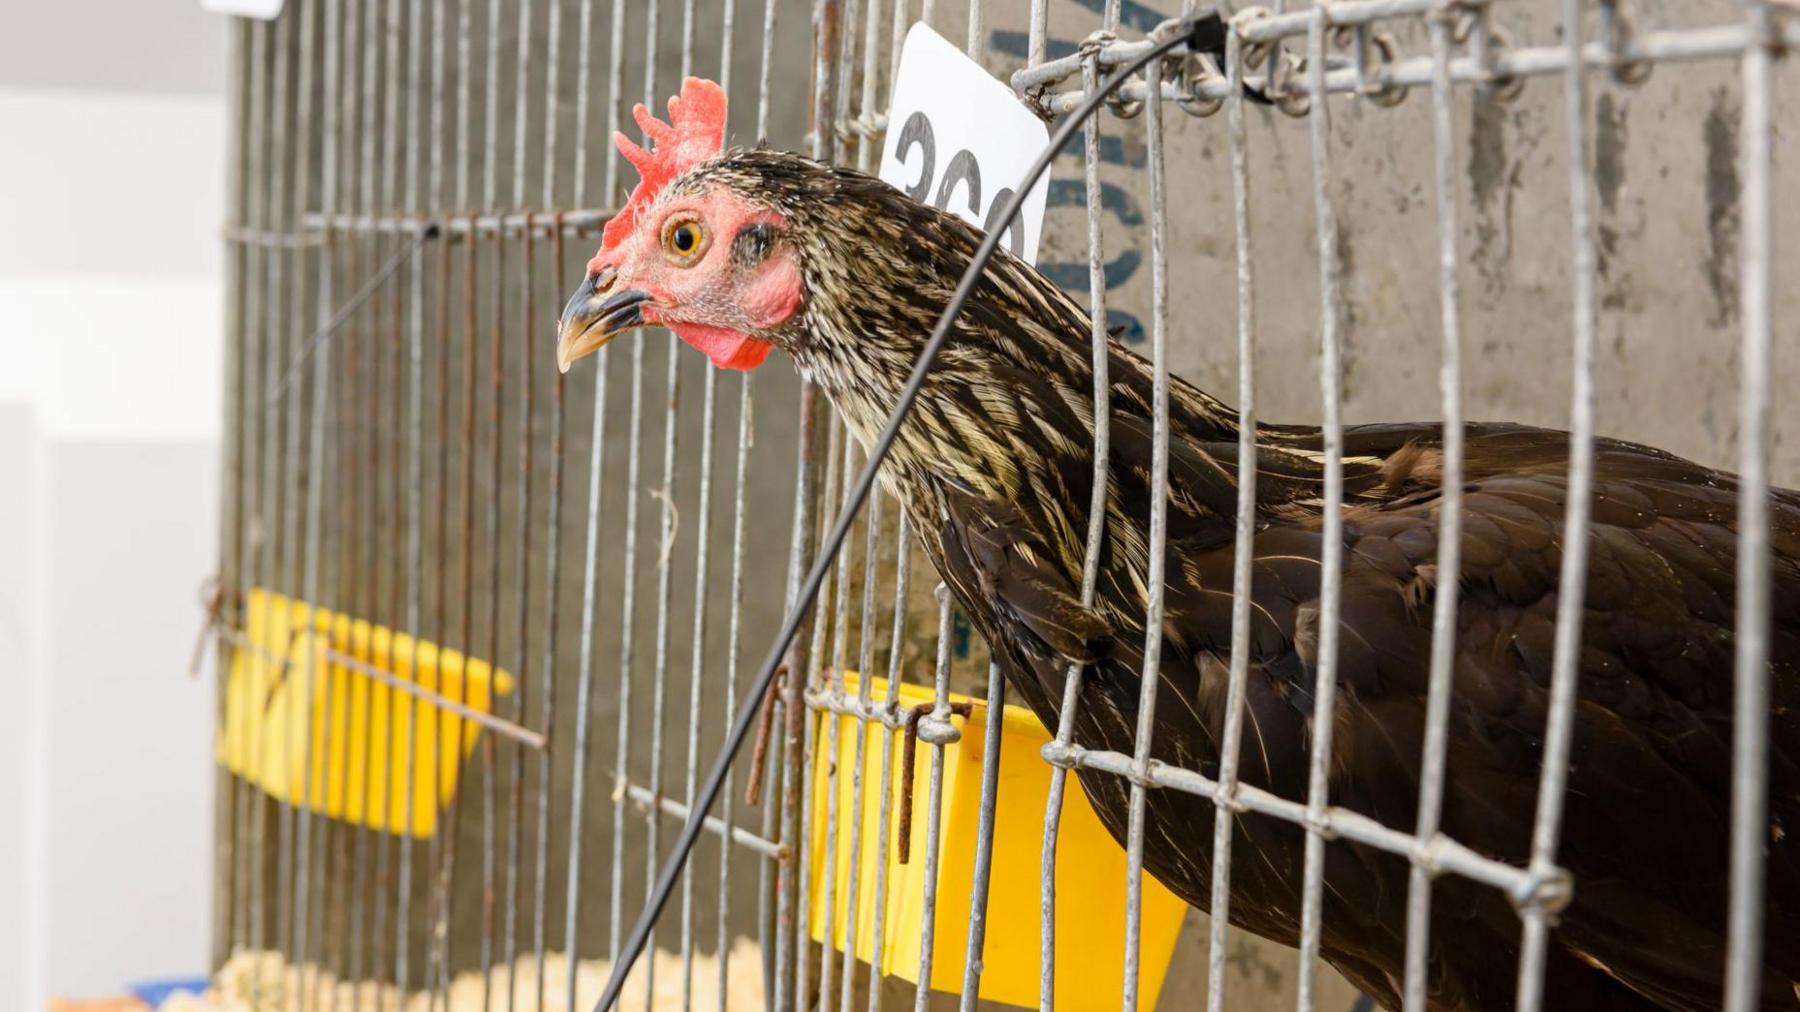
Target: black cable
[{"x": 1199, "y": 33}]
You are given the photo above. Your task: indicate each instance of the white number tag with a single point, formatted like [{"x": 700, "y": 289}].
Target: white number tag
[
  {"x": 262, "y": 10},
  {"x": 960, "y": 140}
]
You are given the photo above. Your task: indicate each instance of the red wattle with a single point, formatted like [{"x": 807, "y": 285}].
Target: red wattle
[{"x": 727, "y": 349}]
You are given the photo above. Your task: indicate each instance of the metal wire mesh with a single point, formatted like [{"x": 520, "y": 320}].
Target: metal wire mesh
[{"x": 403, "y": 459}]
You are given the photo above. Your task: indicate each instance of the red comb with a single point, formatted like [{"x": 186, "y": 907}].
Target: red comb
[{"x": 695, "y": 132}]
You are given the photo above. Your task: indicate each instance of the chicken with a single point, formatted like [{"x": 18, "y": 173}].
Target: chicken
[{"x": 742, "y": 252}]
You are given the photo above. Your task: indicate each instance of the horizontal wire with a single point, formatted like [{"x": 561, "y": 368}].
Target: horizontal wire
[
  {"x": 1439, "y": 853},
  {"x": 583, "y": 222},
  {"x": 1720, "y": 42},
  {"x": 646, "y": 799},
  {"x": 498, "y": 725}
]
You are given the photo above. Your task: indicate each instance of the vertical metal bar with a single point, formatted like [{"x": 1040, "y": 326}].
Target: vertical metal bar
[
  {"x": 590, "y": 572},
  {"x": 230, "y": 490},
  {"x": 1231, "y": 747},
  {"x": 833, "y": 724},
  {"x": 628, "y": 617},
  {"x": 316, "y": 475},
  {"x": 527, "y": 437},
  {"x": 865, "y": 153},
  {"x": 515, "y": 784},
  {"x": 1572, "y": 579},
  {"x": 934, "y": 803},
  {"x": 274, "y": 341},
  {"x": 441, "y": 867},
  {"x": 558, "y": 423},
  {"x": 813, "y": 666},
  {"x": 703, "y": 540},
  {"x": 793, "y": 782},
  {"x": 385, "y": 581},
  {"x": 552, "y": 75},
  {"x": 1159, "y": 509},
  {"x": 1750, "y": 717},
  {"x": 553, "y": 578},
  {"x": 1037, "y": 45},
  {"x": 633, "y": 489},
  {"x": 360, "y": 890},
  {"x": 415, "y": 476},
  {"x": 584, "y": 670},
  {"x": 1096, "y": 534},
  {"x": 984, "y": 836},
  {"x": 249, "y": 443},
  {"x": 746, "y": 406},
  {"x": 293, "y": 827},
  {"x": 890, "y": 707},
  {"x": 1449, "y": 516},
  {"x": 285, "y": 311},
  {"x": 1331, "y": 549}
]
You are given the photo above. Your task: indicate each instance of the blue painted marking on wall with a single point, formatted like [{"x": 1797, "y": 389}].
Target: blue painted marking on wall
[{"x": 1072, "y": 276}]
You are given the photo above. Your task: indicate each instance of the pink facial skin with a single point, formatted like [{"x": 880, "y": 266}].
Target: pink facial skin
[{"x": 713, "y": 302}]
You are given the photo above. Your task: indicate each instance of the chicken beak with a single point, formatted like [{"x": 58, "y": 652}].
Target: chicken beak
[{"x": 595, "y": 316}]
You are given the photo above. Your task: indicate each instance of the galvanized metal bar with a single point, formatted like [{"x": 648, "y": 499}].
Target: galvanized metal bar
[
  {"x": 627, "y": 621},
  {"x": 891, "y": 707},
  {"x": 552, "y": 589},
  {"x": 365, "y": 914},
  {"x": 415, "y": 476},
  {"x": 1448, "y": 579},
  {"x": 1244, "y": 539},
  {"x": 527, "y": 436},
  {"x": 734, "y": 620},
  {"x": 654, "y": 805},
  {"x": 936, "y": 729},
  {"x": 1571, "y": 586},
  {"x": 833, "y": 689},
  {"x": 1661, "y": 47},
  {"x": 249, "y": 365},
  {"x": 765, "y": 874},
  {"x": 1750, "y": 710},
  {"x": 1096, "y": 534},
  {"x": 702, "y": 554},
  {"x": 816, "y": 683},
  {"x": 865, "y": 155},
  {"x": 665, "y": 573},
  {"x": 982, "y": 876},
  {"x": 268, "y": 561},
  {"x": 789, "y": 937},
  {"x": 304, "y": 576},
  {"x": 591, "y": 553},
  {"x": 1331, "y": 549},
  {"x": 511, "y": 225},
  {"x": 1441, "y": 853},
  {"x": 1151, "y": 676},
  {"x": 348, "y": 478}
]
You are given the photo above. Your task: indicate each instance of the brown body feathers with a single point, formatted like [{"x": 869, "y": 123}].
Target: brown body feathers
[{"x": 995, "y": 470}]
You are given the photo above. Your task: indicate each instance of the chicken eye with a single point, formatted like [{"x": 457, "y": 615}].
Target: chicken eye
[{"x": 685, "y": 241}]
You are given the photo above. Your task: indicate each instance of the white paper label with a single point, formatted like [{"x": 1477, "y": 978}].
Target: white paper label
[
  {"x": 262, "y": 10},
  {"x": 960, "y": 140}
]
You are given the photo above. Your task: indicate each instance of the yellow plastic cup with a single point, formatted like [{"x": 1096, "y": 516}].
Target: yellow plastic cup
[
  {"x": 358, "y": 727},
  {"x": 1090, "y": 868}
]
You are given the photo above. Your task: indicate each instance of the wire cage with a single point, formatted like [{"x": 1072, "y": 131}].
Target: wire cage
[{"x": 483, "y": 623}]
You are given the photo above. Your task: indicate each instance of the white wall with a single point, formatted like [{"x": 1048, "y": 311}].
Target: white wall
[{"x": 111, "y": 198}]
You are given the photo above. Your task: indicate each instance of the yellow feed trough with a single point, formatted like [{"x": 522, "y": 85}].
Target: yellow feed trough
[
  {"x": 290, "y": 681},
  {"x": 1090, "y": 869}
]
